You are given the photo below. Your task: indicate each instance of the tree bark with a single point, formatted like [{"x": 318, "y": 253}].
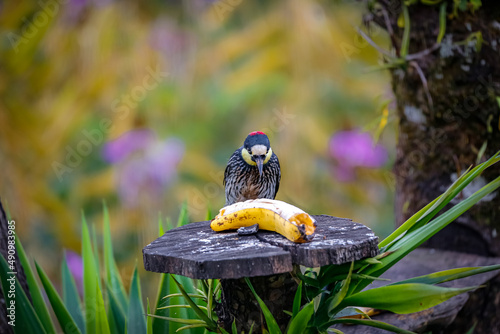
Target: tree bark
[
  {"x": 240, "y": 305},
  {"x": 446, "y": 100}
]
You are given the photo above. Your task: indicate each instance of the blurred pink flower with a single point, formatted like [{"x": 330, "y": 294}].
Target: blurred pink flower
[
  {"x": 352, "y": 149},
  {"x": 75, "y": 265},
  {"x": 119, "y": 149},
  {"x": 145, "y": 165}
]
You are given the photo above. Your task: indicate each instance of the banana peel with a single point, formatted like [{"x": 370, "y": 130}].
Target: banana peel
[{"x": 271, "y": 215}]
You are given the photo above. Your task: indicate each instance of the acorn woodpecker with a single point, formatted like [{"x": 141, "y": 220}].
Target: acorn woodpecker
[{"x": 253, "y": 171}]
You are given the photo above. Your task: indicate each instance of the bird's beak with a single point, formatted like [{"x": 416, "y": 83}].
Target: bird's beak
[{"x": 260, "y": 164}]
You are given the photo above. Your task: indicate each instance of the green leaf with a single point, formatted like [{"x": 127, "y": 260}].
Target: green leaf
[
  {"x": 68, "y": 325},
  {"x": 414, "y": 238},
  {"x": 417, "y": 237},
  {"x": 251, "y": 328},
  {"x": 210, "y": 298},
  {"x": 448, "y": 275},
  {"x": 472, "y": 329},
  {"x": 136, "y": 322},
  {"x": 113, "y": 277},
  {"x": 26, "y": 319},
  {"x": 161, "y": 326},
  {"x": 299, "y": 322},
  {"x": 297, "y": 300},
  {"x": 337, "y": 298},
  {"x": 211, "y": 325},
  {"x": 403, "y": 298},
  {"x": 183, "y": 215},
  {"x": 430, "y": 210},
  {"x": 118, "y": 312},
  {"x": 71, "y": 297},
  {"x": 149, "y": 324},
  {"x": 36, "y": 295},
  {"x": 90, "y": 277},
  {"x": 234, "y": 330},
  {"x": 209, "y": 214},
  {"x": 272, "y": 325},
  {"x": 190, "y": 327},
  {"x": 334, "y": 330},
  {"x": 161, "y": 231},
  {"x": 101, "y": 318},
  {"x": 442, "y": 22},
  {"x": 405, "y": 43},
  {"x": 179, "y": 320},
  {"x": 372, "y": 323}
]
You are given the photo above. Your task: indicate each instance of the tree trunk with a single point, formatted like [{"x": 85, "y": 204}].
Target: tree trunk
[
  {"x": 448, "y": 114},
  {"x": 277, "y": 292}
]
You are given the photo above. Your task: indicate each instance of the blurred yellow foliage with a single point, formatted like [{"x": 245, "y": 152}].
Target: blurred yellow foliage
[{"x": 97, "y": 70}]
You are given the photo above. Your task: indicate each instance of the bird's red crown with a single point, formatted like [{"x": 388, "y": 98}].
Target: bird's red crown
[{"x": 256, "y": 133}]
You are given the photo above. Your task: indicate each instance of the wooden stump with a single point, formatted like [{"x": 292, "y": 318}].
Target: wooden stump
[{"x": 268, "y": 258}]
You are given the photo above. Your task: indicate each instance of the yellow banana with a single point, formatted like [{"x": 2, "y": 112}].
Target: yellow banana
[{"x": 271, "y": 215}]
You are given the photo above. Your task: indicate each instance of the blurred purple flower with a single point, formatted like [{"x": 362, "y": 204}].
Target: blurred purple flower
[
  {"x": 119, "y": 149},
  {"x": 146, "y": 165},
  {"x": 173, "y": 44},
  {"x": 75, "y": 265},
  {"x": 352, "y": 149}
]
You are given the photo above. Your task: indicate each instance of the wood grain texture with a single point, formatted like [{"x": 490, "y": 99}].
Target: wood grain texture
[{"x": 198, "y": 252}]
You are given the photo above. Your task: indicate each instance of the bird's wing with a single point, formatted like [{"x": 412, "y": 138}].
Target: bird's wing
[
  {"x": 230, "y": 165},
  {"x": 278, "y": 176}
]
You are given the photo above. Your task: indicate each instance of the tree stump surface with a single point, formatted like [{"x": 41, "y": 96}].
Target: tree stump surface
[{"x": 196, "y": 251}]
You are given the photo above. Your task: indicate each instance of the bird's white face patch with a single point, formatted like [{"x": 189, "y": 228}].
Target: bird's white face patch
[{"x": 259, "y": 150}]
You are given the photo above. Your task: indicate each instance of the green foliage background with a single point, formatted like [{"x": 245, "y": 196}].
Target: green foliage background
[{"x": 233, "y": 67}]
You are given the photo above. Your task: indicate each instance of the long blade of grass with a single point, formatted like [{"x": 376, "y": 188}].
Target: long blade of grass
[
  {"x": 403, "y": 298},
  {"x": 430, "y": 210},
  {"x": 161, "y": 326},
  {"x": 183, "y": 215},
  {"x": 202, "y": 315},
  {"x": 405, "y": 43},
  {"x": 183, "y": 328},
  {"x": 24, "y": 317},
  {"x": 66, "y": 321},
  {"x": 149, "y": 320},
  {"x": 442, "y": 22},
  {"x": 36, "y": 294},
  {"x": 113, "y": 277},
  {"x": 136, "y": 322},
  {"x": 272, "y": 325},
  {"x": 373, "y": 323},
  {"x": 89, "y": 280},
  {"x": 337, "y": 298},
  {"x": 448, "y": 275},
  {"x": 299, "y": 322},
  {"x": 101, "y": 318},
  {"x": 179, "y": 320},
  {"x": 297, "y": 300},
  {"x": 70, "y": 296},
  {"x": 118, "y": 312},
  {"x": 416, "y": 238}
]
